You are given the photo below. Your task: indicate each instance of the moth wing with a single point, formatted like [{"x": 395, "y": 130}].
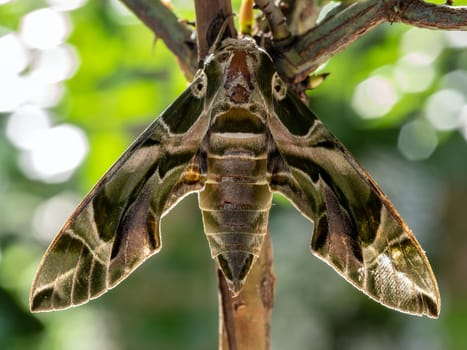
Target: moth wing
[
  {"x": 116, "y": 226},
  {"x": 356, "y": 229}
]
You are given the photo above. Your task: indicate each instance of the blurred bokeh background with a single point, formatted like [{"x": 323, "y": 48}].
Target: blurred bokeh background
[{"x": 80, "y": 79}]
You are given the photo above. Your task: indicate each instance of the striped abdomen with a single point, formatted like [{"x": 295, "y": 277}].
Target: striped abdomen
[{"x": 236, "y": 198}]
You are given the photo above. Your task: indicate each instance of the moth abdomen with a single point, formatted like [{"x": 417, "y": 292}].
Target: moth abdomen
[
  {"x": 235, "y": 201},
  {"x": 235, "y": 216}
]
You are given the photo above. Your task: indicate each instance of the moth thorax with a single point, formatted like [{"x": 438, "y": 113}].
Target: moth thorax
[{"x": 238, "y": 78}]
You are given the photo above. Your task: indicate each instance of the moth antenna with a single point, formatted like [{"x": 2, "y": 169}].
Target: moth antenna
[{"x": 221, "y": 33}]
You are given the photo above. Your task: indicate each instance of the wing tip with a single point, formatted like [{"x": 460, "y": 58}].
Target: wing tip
[
  {"x": 421, "y": 304},
  {"x": 433, "y": 305},
  {"x": 43, "y": 303}
]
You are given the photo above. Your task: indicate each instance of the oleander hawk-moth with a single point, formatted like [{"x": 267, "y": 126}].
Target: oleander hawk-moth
[{"x": 236, "y": 135}]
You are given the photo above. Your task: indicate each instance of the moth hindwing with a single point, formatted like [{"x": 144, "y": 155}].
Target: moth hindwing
[{"x": 235, "y": 136}]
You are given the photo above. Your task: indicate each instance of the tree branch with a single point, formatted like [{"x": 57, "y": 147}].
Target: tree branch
[
  {"x": 246, "y": 318},
  {"x": 277, "y": 22},
  {"x": 177, "y": 36},
  {"x": 210, "y": 16},
  {"x": 301, "y": 15},
  {"x": 308, "y": 51},
  {"x": 339, "y": 29},
  {"x": 425, "y": 15}
]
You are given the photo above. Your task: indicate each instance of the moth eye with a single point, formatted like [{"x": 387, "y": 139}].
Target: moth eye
[
  {"x": 199, "y": 84},
  {"x": 279, "y": 87}
]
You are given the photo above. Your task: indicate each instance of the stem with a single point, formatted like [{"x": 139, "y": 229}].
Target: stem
[
  {"x": 425, "y": 15},
  {"x": 246, "y": 318},
  {"x": 301, "y": 15},
  {"x": 277, "y": 22},
  {"x": 295, "y": 56},
  {"x": 210, "y": 16}
]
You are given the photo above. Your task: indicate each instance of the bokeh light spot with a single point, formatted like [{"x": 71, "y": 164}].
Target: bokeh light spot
[
  {"x": 428, "y": 42},
  {"x": 66, "y": 5},
  {"x": 121, "y": 13},
  {"x": 443, "y": 109},
  {"x": 456, "y": 80},
  {"x": 14, "y": 56},
  {"x": 374, "y": 97},
  {"x": 463, "y": 122},
  {"x": 417, "y": 140},
  {"x": 414, "y": 72},
  {"x": 42, "y": 94},
  {"x": 55, "y": 64},
  {"x": 50, "y": 215},
  {"x": 456, "y": 39},
  {"x": 12, "y": 88},
  {"x": 55, "y": 154},
  {"x": 44, "y": 28},
  {"x": 24, "y": 123}
]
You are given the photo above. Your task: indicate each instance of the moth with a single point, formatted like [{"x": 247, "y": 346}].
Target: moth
[{"x": 236, "y": 135}]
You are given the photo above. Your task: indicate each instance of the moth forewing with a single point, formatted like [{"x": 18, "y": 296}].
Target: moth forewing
[
  {"x": 356, "y": 229},
  {"x": 116, "y": 226}
]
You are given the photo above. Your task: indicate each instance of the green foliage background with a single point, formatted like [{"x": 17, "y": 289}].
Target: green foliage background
[{"x": 123, "y": 81}]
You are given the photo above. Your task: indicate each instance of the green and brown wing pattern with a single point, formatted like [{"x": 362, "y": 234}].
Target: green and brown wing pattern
[
  {"x": 116, "y": 227},
  {"x": 356, "y": 229}
]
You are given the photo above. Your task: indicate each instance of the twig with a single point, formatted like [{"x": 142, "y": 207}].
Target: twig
[
  {"x": 336, "y": 32},
  {"x": 178, "y": 37},
  {"x": 277, "y": 22},
  {"x": 425, "y": 15},
  {"x": 210, "y": 15},
  {"x": 315, "y": 47},
  {"x": 246, "y": 318},
  {"x": 302, "y": 15}
]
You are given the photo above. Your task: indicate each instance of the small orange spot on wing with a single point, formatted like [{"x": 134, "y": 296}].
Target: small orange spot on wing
[{"x": 191, "y": 176}]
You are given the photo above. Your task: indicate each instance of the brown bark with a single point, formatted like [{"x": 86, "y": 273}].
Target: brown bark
[
  {"x": 210, "y": 16},
  {"x": 277, "y": 21},
  {"x": 245, "y": 320}
]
